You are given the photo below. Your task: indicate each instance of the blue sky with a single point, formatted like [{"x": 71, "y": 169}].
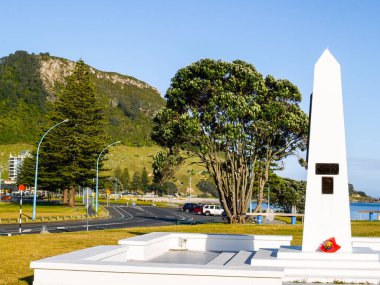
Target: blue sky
[{"x": 151, "y": 40}]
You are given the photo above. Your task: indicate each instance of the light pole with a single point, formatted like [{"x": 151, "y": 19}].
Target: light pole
[
  {"x": 36, "y": 174},
  {"x": 191, "y": 173},
  {"x": 97, "y": 174},
  {"x": 1, "y": 195}
]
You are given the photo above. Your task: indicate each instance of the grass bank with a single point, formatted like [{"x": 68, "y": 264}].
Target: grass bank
[
  {"x": 18, "y": 251},
  {"x": 9, "y": 213},
  {"x": 11, "y": 210}
]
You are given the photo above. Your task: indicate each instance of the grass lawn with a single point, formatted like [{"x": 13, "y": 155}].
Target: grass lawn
[
  {"x": 18, "y": 251},
  {"x": 11, "y": 210}
]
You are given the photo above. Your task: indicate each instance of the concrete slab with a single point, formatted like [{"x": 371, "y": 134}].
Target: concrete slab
[
  {"x": 163, "y": 258},
  {"x": 186, "y": 257}
]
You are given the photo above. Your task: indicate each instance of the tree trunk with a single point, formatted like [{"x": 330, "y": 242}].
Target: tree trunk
[
  {"x": 262, "y": 179},
  {"x": 65, "y": 196},
  {"x": 234, "y": 181},
  {"x": 72, "y": 197}
]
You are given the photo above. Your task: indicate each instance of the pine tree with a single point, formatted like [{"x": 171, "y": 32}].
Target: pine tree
[
  {"x": 118, "y": 174},
  {"x": 144, "y": 180},
  {"x": 69, "y": 152},
  {"x": 126, "y": 179},
  {"x": 27, "y": 171},
  {"x": 136, "y": 182}
]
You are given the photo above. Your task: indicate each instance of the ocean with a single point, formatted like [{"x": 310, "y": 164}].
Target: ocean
[{"x": 355, "y": 208}]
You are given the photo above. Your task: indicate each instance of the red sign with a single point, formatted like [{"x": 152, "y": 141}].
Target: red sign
[{"x": 21, "y": 187}]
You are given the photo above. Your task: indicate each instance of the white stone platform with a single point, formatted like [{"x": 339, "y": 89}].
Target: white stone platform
[
  {"x": 165, "y": 258},
  {"x": 185, "y": 258},
  {"x": 360, "y": 266},
  {"x": 148, "y": 246}
]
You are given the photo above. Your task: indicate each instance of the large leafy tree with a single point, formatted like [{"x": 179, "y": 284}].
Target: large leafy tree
[
  {"x": 208, "y": 187},
  {"x": 287, "y": 194},
  {"x": 68, "y": 154},
  {"x": 281, "y": 129},
  {"x": 164, "y": 166},
  {"x": 233, "y": 121}
]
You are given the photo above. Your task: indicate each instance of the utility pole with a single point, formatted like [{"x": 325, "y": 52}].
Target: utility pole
[
  {"x": 97, "y": 175},
  {"x": 21, "y": 189},
  {"x": 1, "y": 169}
]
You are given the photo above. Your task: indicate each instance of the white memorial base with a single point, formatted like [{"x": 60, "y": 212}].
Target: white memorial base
[
  {"x": 360, "y": 266},
  {"x": 186, "y": 258}
]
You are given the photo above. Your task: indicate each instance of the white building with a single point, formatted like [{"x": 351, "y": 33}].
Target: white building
[{"x": 15, "y": 163}]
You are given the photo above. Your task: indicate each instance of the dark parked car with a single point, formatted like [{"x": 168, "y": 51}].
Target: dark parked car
[{"x": 189, "y": 207}]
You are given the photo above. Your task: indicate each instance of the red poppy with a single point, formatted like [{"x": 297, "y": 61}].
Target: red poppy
[{"x": 330, "y": 245}]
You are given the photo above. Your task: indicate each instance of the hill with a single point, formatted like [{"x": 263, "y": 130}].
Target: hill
[
  {"x": 359, "y": 196},
  {"x": 131, "y": 157},
  {"x": 29, "y": 84}
]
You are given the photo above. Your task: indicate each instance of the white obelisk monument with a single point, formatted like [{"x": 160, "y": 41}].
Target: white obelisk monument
[{"x": 327, "y": 212}]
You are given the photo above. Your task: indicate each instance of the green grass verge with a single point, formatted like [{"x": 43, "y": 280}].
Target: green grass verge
[
  {"x": 18, "y": 251},
  {"x": 11, "y": 210},
  {"x": 9, "y": 213}
]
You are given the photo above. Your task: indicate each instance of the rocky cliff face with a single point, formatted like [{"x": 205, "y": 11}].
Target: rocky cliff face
[
  {"x": 29, "y": 84},
  {"x": 54, "y": 70}
]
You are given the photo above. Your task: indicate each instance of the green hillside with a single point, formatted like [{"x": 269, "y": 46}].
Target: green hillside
[
  {"x": 136, "y": 158},
  {"x": 29, "y": 84},
  {"x": 133, "y": 158}
]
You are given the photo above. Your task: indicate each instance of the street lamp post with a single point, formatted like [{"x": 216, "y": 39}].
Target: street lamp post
[
  {"x": 191, "y": 173},
  {"x": 36, "y": 173},
  {"x": 97, "y": 174},
  {"x": 1, "y": 195}
]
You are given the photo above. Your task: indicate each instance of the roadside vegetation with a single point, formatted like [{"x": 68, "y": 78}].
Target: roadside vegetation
[
  {"x": 9, "y": 212},
  {"x": 18, "y": 251}
]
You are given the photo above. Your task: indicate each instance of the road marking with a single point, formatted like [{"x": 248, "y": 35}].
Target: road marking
[
  {"x": 139, "y": 208},
  {"x": 130, "y": 215},
  {"x": 117, "y": 210},
  {"x": 94, "y": 225},
  {"x": 27, "y": 230},
  {"x": 182, "y": 218}
]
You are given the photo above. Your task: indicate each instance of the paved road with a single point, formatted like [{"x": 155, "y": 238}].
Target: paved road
[{"x": 121, "y": 216}]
